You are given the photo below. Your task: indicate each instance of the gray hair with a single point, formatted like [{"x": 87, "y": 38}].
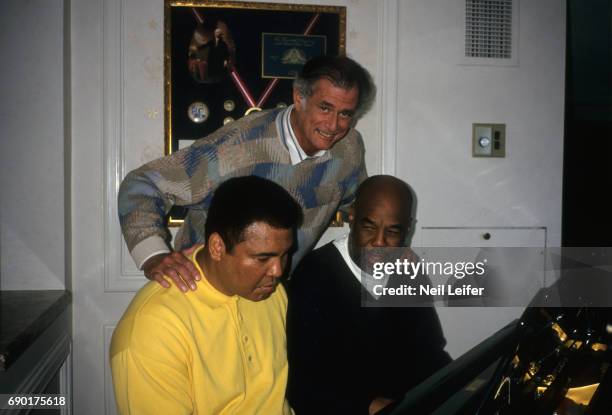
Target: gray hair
[{"x": 341, "y": 71}]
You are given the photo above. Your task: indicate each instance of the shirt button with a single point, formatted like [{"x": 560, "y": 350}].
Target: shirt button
[
  {"x": 249, "y": 358},
  {"x": 246, "y": 339}
]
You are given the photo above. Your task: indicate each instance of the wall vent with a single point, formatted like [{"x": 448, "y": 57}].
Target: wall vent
[{"x": 488, "y": 29}]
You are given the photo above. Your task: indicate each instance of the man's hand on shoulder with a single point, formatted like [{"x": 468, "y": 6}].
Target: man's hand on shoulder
[{"x": 174, "y": 265}]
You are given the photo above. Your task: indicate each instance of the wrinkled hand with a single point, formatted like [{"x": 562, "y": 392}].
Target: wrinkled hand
[{"x": 176, "y": 266}]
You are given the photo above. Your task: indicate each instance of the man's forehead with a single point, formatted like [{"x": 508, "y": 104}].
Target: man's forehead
[
  {"x": 326, "y": 87},
  {"x": 374, "y": 198},
  {"x": 261, "y": 232},
  {"x": 370, "y": 207}
]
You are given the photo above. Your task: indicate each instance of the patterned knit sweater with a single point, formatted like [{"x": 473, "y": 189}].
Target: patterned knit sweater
[{"x": 249, "y": 146}]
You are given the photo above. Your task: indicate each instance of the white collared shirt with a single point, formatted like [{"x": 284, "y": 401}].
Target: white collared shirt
[
  {"x": 365, "y": 279},
  {"x": 287, "y": 135}
]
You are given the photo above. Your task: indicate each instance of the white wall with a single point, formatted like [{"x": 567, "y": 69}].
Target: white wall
[
  {"x": 32, "y": 132},
  {"x": 438, "y": 100}
]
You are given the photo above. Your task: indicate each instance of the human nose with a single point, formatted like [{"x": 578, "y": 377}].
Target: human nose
[
  {"x": 379, "y": 239},
  {"x": 276, "y": 268},
  {"x": 332, "y": 122}
]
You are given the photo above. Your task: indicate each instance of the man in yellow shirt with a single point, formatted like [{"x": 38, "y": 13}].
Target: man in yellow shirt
[{"x": 219, "y": 349}]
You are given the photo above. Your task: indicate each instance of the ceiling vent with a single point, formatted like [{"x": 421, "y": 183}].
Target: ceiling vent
[{"x": 491, "y": 31}]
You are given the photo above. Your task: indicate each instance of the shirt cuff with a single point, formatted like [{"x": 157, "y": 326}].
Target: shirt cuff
[{"x": 147, "y": 248}]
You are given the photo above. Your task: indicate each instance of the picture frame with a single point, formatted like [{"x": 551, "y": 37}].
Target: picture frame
[
  {"x": 226, "y": 55},
  {"x": 226, "y": 59}
]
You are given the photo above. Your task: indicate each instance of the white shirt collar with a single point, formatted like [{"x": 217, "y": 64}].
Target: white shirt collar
[
  {"x": 369, "y": 281},
  {"x": 287, "y": 135}
]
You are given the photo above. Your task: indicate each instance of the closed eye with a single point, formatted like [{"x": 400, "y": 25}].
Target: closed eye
[
  {"x": 368, "y": 224},
  {"x": 394, "y": 231}
]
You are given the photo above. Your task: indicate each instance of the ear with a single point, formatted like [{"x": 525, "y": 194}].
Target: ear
[
  {"x": 298, "y": 99},
  {"x": 216, "y": 246},
  {"x": 351, "y": 215}
]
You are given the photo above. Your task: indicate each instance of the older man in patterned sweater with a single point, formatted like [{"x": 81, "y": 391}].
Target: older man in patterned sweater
[{"x": 309, "y": 148}]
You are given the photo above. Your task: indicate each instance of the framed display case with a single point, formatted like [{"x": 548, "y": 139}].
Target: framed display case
[{"x": 226, "y": 59}]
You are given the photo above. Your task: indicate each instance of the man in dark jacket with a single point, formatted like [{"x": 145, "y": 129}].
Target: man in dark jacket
[{"x": 345, "y": 358}]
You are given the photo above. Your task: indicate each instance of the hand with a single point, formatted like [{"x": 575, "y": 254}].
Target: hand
[
  {"x": 378, "y": 404},
  {"x": 175, "y": 266}
]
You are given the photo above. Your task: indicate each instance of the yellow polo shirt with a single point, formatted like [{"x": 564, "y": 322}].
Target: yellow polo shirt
[{"x": 201, "y": 352}]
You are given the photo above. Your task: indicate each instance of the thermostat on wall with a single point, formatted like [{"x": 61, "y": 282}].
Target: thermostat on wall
[{"x": 488, "y": 140}]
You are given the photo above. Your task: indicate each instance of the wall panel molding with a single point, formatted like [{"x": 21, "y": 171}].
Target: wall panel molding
[
  {"x": 116, "y": 277},
  {"x": 110, "y": 408},
  {"x": 388, "y": 23}
]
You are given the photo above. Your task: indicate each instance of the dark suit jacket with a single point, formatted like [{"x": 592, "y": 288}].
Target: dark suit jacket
[{"x": 342, "y": 356}]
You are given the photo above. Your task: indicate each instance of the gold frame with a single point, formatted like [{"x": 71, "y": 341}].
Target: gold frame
[
  {"x": 340, "y": 11},
  {"x": 280, "y": 7}
]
